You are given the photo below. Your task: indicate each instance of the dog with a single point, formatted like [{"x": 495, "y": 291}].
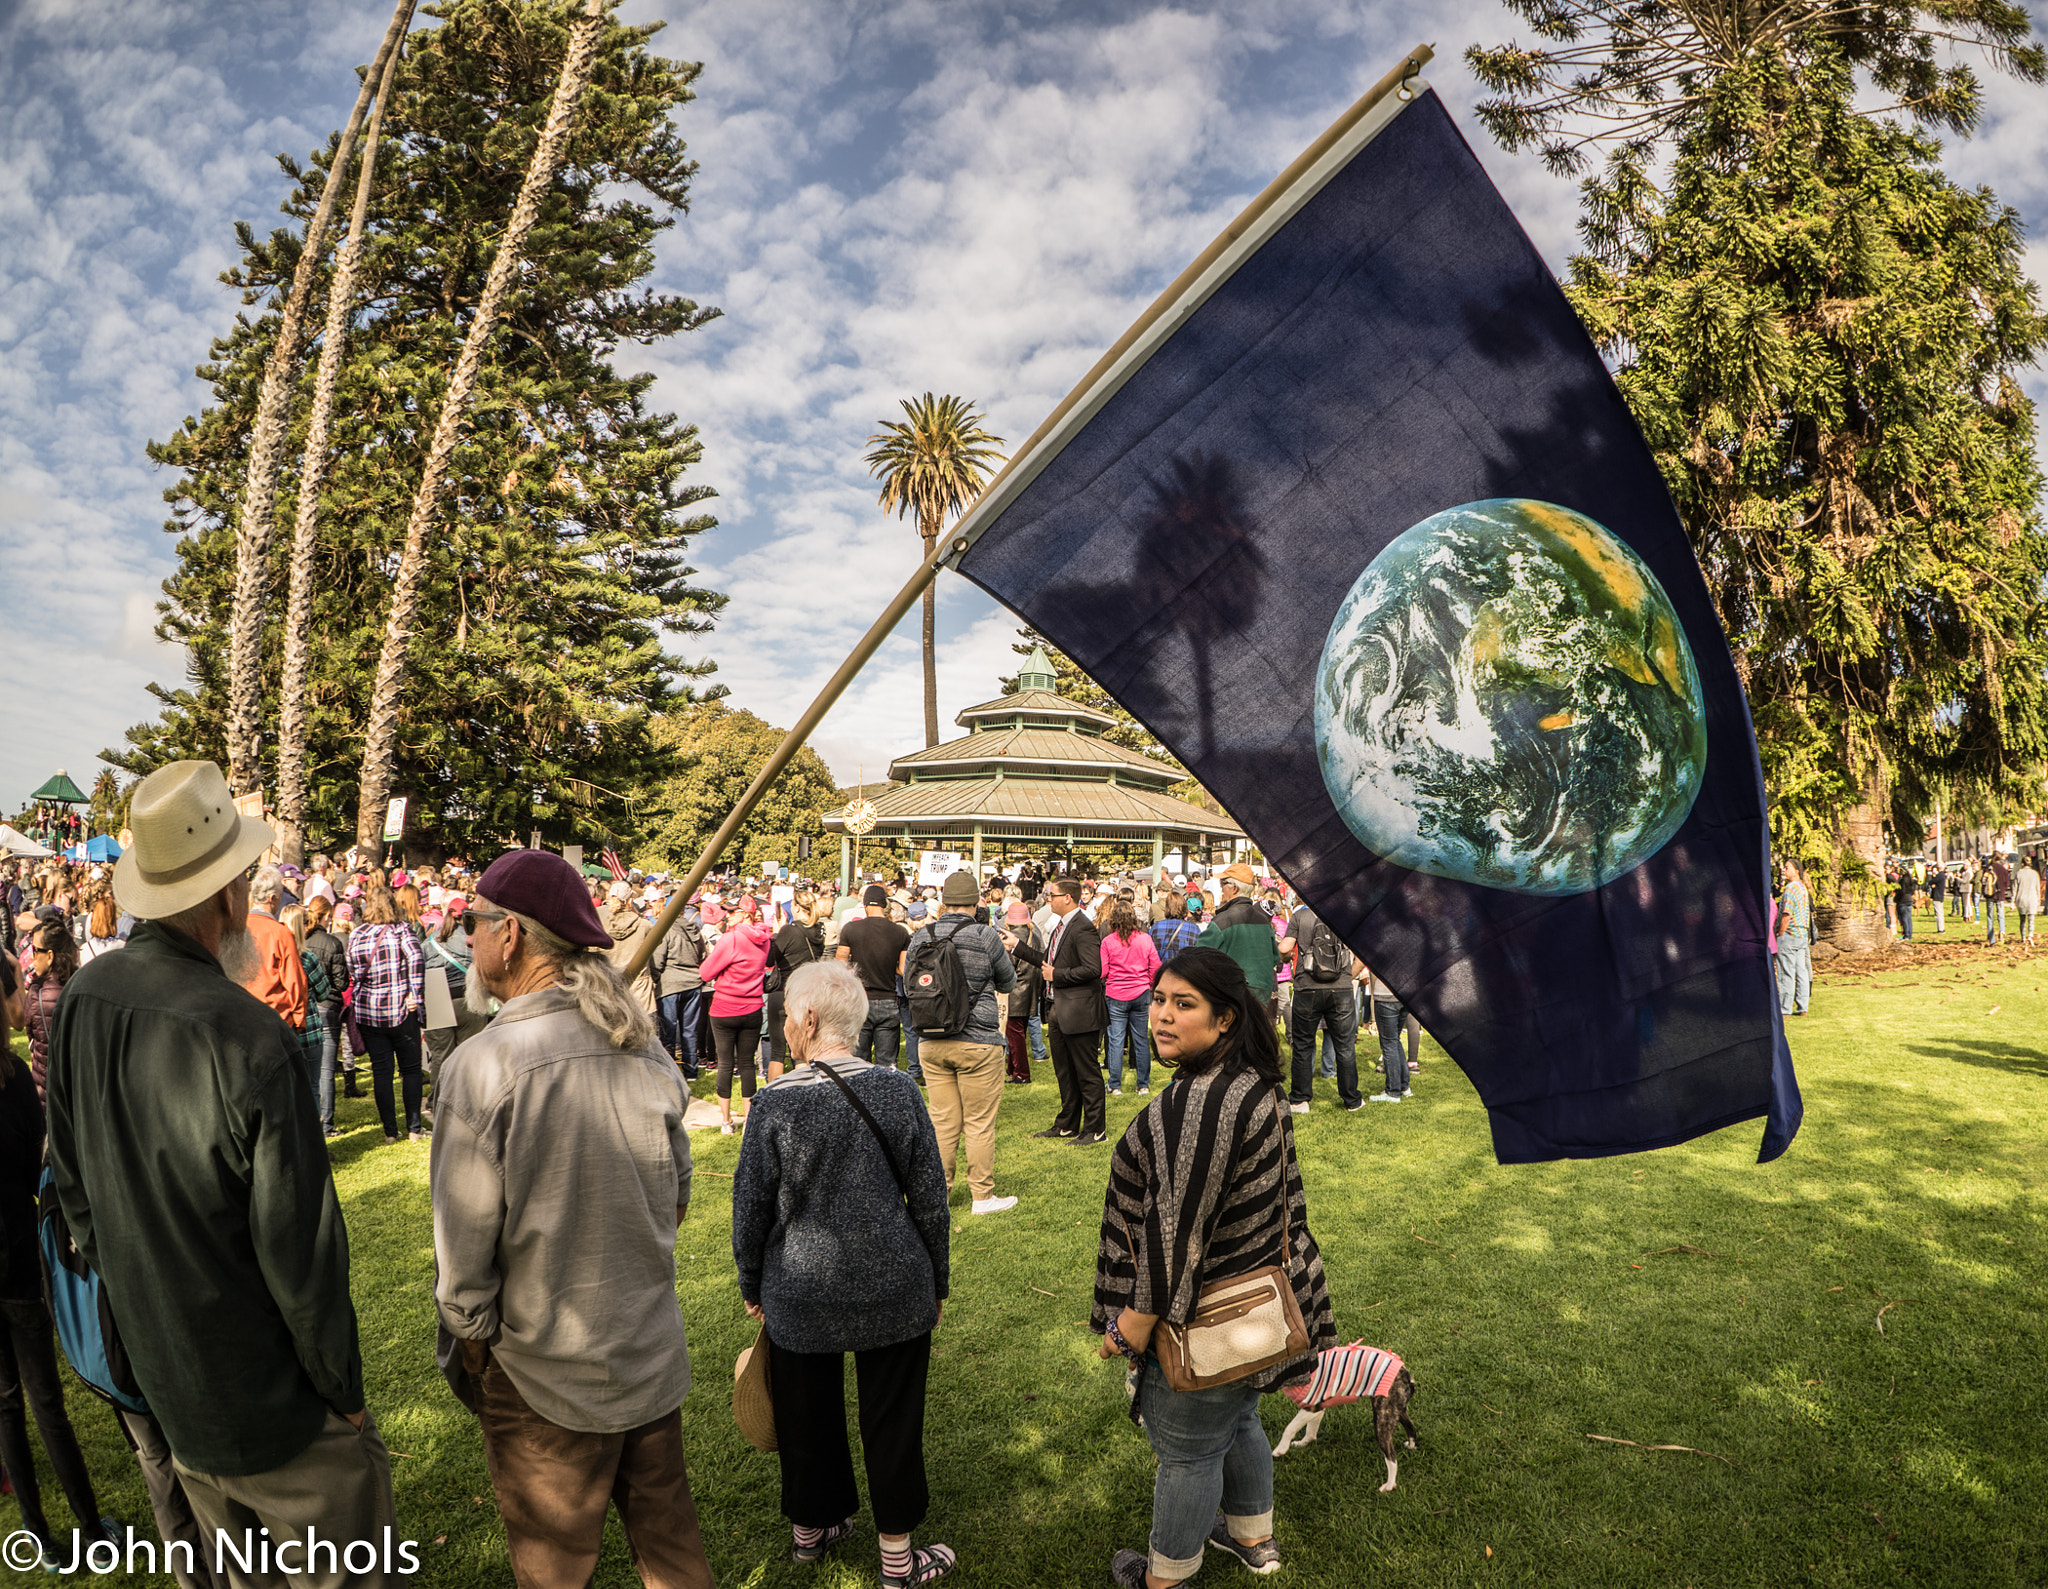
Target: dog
[{"x": 1345, "y": 1374}]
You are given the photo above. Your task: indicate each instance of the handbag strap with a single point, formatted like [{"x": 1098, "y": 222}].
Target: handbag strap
[{"x": 881, "y": 1141}]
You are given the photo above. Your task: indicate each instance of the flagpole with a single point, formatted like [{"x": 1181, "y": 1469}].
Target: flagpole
[
  {"x": 1409, "y": 68},
  {"x": 792, "y": 742}
]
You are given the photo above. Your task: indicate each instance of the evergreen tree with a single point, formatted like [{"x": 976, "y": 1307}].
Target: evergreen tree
[
  {"x": 710, "y": 754},
  {"x": 1819, "y": 335},
  {"x": 560, "y": 555}
]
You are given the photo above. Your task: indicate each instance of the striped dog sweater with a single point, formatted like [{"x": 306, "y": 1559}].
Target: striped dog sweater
[{"x": 1345, "y": 1374}]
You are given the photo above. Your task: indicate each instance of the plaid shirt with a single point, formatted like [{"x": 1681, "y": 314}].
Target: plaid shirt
[
  {"x": 1174, "y": 935},
  {"x": 386, "y": 970}
]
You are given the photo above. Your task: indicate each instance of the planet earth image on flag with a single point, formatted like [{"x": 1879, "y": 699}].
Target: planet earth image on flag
[{"x": 1506, "y": 697}]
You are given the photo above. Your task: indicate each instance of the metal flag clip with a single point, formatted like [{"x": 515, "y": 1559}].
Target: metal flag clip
[{"x": 1404, "y": 93}]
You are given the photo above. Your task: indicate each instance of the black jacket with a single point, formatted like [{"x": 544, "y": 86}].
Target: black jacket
[
  {"x": 332, "y": 955},
  {"x": 1077, "y": 1003}
]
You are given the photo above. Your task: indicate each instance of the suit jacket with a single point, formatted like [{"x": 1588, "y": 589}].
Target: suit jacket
[{"x": 1076, "y": 1002}]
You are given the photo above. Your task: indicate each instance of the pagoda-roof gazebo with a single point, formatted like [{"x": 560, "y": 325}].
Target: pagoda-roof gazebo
[
  {"x": 1034, "y": 771},
  {"x": 60, "y": 790}
]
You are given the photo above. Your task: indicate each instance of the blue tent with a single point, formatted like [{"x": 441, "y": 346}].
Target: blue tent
[{"x": 97, "y": 848}]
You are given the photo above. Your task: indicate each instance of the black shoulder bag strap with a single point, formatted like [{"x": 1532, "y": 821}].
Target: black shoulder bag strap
[{"x": 852, "y": 1097}]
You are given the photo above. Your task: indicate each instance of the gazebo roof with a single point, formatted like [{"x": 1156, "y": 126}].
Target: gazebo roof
[
  {"x": 1035, "y": 703},
  {"x": 61, "y": 788},
  {"x": 1034, "y": 751},
  {"x": 1029, "y": 803}
]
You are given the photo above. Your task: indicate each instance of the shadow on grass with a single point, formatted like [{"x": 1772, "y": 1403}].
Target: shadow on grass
[{"x": 1995, "y": 1056}]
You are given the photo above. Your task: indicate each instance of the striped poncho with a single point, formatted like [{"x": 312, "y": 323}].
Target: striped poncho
[{"x": 1194, "y": 1197}]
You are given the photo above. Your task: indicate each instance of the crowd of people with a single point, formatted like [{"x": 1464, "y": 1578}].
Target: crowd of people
[{"x": 193, "y": 1013}]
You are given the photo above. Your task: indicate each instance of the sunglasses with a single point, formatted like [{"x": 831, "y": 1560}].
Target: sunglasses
[{"x": 471, "y": 917}]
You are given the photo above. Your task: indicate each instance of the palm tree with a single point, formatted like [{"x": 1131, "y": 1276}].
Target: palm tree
[
  {"x": 380, "y": 738},
  {"x": 298, "y": 623},
  {"x": 932, "y": 466},
  {"x": 256, "y": 523}
]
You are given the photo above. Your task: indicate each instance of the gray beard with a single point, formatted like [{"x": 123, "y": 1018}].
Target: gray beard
[
  {"x": 476, "y": 998},
  {"x": 237, "y": 954}
]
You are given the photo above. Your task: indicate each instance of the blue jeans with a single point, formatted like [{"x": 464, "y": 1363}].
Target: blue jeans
[
  {"x": 1994, "y": 920},
  {"x": 909, "y": 1040},
  {"x": 323, "y": 1070},
  {"x": 1132, "y": 1015},
  {"x": 878, "y": 1033},
  {"x": 1212, "y": 1451},
  {"x": 1034, "y": 1035},
  {"x": 1386, "y": 1019},
  {"x": 1795, "y": 975},
  {"x": 676, "y": 1015}
]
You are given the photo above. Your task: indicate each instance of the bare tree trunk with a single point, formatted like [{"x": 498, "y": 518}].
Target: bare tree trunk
[
  {"x": 255, "y": 524},
  {"x": 1848, "y": 923},
  {"x": 380, "y": 740},
  {"x": 298, "y": 624},
  {"x": 930, "y": 532}
]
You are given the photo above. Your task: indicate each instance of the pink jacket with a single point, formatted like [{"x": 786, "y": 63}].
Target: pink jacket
[
  {"x": 735, "y": 967},
  {"x": 1128, "y": 968}
]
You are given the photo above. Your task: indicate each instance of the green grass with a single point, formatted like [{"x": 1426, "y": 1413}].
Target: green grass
[{"x": 1536, "y": 1305}]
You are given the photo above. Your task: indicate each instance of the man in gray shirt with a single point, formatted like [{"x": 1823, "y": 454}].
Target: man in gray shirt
[
  {"x": 560, "y": 1173},
  {"x": 963, "y": 1070}
]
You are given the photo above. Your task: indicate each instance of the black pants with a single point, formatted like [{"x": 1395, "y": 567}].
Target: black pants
[
  {"x": 1080, "y": 1077},
  {"x": 1335, "y": 1011},
  {"x": 778, "y": 1045},
  {"x": 28, "y": 1364},
  {"x": 737, "y": 1038},
  {"x": 809, "y": 1389},
  {"x": 402, "y": 1043}
]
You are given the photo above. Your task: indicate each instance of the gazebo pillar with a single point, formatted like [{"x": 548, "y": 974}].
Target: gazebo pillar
[
  {"x": 1158, "y": 851},
  {"x": 845, "y": 862},
  {"x": 977, "y": 855}
]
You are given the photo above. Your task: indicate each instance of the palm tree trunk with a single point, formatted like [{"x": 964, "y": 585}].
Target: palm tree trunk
[
  {"x": 255, "y": 524},
  {"x": 298, "y": 624},
  {"x": 380, "y": 739},
  {"x": 929, "y": 529}
]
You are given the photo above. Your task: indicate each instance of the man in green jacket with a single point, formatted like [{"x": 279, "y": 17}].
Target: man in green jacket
[
  {"x": 1245, "y": 933},
  {"x": 189, "y": 1161}
]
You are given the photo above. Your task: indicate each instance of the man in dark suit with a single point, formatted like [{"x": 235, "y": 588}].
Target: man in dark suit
[{"x": 1075, "y": 1011}]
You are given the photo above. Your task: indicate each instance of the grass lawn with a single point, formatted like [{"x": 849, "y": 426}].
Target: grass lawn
[{"x": 1684, "y": 1298}]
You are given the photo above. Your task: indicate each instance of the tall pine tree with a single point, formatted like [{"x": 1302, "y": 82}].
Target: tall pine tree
[{"x": 561, "y": 556}]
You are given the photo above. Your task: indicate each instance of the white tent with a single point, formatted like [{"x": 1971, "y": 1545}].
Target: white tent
[{"x": 15, "y": 842}]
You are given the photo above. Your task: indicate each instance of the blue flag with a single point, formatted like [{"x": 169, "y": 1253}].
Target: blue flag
[{"x": 1359, "y": 526}]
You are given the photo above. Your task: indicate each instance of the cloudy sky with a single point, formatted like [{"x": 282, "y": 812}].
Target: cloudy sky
[{"x": 896, "y": 196}]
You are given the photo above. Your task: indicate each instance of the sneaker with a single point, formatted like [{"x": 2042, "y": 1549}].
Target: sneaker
[
  {"x": 835, "y": 1535},
  {"x": 1297, "y": 1108},
  {"x": 390, "y": 1141},
  {"x": 1052, "y": 1131},
  {"x": 1386, "y": 1097},
  {"x": 1090, "y": 1139},
  {"x": 1116, "y": 1092},
  {"x": 419, "y": 1136},
  {"x": 993, "y": 1205},
  {"x": 1352, "y": 1108},
  {"x": 927, "y": 1564},
  {"x": 1127, "y": 1569},
  {"x": 726, "y": 1129},
  {"x": 1144, "y": 1092},
  {"x": 1261, "y": 1558}
]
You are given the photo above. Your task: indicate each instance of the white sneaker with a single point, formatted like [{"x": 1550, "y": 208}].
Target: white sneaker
[
  {"x": 1297, "y": 1108},
  {"x": 1144, "y": 1092},
  {"x": 726, "y": 1129},
  {"x": 1116, "y": 1092},
  {"x": 993, "y": 1205},
  {"x": 1386, "y": 1097}
]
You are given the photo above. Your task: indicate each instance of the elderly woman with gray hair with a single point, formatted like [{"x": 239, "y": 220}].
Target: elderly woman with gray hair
[{"x": 839, "y": 1229}]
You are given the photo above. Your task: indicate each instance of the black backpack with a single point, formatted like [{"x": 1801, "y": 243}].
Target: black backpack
[
  {"x": 935, "y": 984},
  {"x": 1324, "y": 959}
]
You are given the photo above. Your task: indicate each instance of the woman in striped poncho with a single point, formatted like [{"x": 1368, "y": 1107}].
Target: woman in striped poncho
[{"x": 1195, "y": 1196}]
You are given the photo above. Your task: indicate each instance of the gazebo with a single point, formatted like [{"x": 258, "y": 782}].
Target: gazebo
[{"x": 1034, "y": 772}]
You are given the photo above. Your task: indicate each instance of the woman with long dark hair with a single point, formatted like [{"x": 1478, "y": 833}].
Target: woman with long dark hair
[
  {"x": 1204, "y": 1186},
  {"x": 52, "y": 962}
]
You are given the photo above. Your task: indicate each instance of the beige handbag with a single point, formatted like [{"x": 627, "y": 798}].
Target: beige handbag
[
  {"x": 1241, "y": 1325},
  {"x": 753, "y": 1401}
]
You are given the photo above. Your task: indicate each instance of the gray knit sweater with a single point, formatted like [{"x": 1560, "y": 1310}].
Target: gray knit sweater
[{"x": 822, "y": 1238}]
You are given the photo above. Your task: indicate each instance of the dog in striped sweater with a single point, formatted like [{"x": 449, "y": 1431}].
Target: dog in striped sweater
[{"x": 1346, "y": 1374}]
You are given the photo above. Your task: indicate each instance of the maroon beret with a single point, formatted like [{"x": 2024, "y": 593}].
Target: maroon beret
[{"x": 540, "y": 884}]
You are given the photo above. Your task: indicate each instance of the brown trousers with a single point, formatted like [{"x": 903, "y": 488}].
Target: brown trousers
[
  {"x": 553, "y": 1484},
  {"x": 964, "y": 1089}
]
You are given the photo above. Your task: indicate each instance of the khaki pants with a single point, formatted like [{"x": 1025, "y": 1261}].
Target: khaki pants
[
  {"x": 338, "y": 1489},
  {"x": 553, "y": 1485},
  {"x": 964, "y": 1088}
]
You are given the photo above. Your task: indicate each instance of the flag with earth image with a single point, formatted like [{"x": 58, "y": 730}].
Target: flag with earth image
[{"x": 1360, "y": 527}]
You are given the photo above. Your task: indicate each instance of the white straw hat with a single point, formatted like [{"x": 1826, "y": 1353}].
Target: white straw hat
[{"x": 190, "y": 842}]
